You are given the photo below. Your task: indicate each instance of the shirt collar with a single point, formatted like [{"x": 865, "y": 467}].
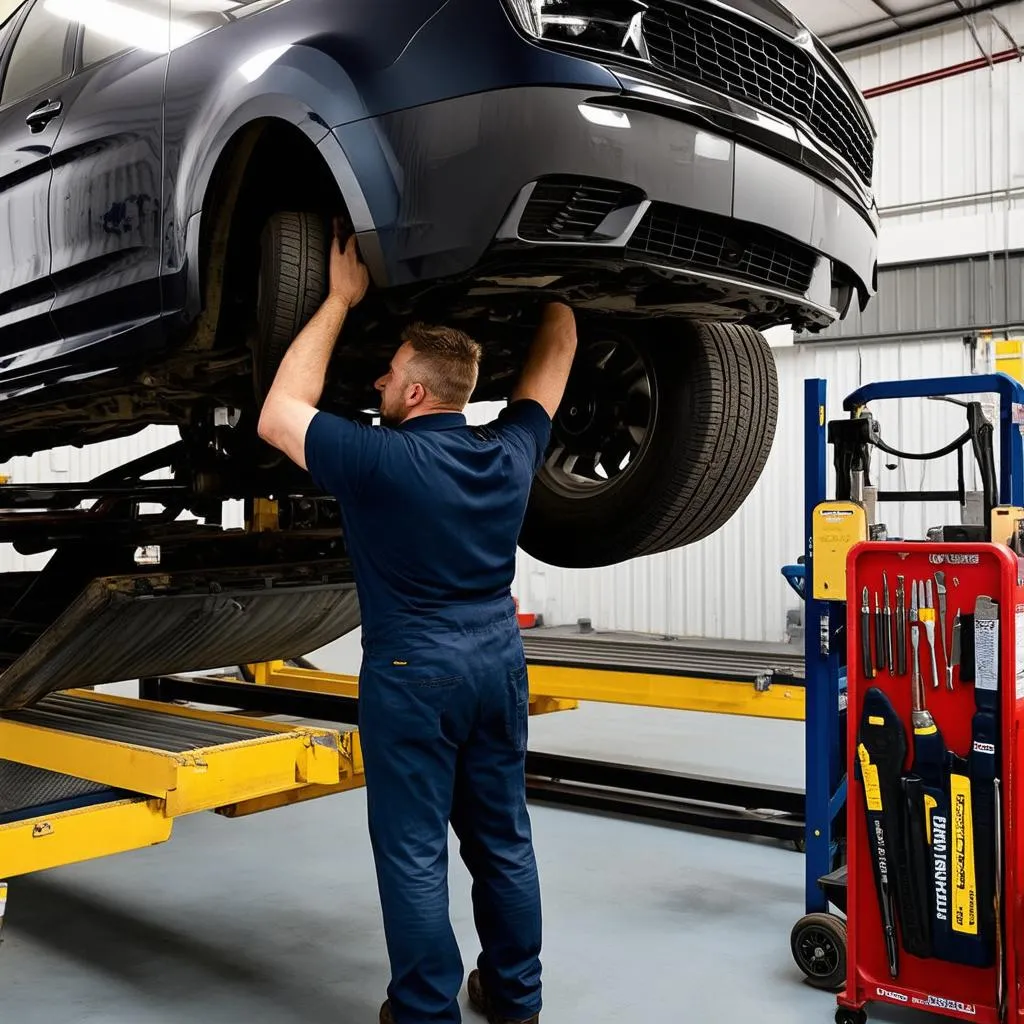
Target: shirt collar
[{"x": 435, "y": 421}]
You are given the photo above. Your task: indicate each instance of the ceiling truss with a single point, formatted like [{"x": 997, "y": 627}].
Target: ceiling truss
[{"x": 845, "y": 24}]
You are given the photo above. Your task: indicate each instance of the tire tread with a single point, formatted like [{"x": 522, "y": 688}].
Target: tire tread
[{"x": 293, "y": 274}]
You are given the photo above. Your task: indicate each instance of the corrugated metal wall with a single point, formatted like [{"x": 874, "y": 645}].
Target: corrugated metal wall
[
  {"x": 730, "y": 585},
  {"x": 952, "y": 297},
  {"x": 950, "y": 164}
]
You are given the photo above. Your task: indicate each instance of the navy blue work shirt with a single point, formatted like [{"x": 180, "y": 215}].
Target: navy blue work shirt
[{"x": 431, "y": 510}]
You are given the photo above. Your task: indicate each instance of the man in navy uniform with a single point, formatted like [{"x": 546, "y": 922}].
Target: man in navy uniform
[{"x": 431, "y": 510}]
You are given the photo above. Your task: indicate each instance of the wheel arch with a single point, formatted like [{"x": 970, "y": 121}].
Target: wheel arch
[{"x": 211, "y": 190}]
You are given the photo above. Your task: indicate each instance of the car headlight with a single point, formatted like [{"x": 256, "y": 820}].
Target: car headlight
[{"x": 614, "y": 26}]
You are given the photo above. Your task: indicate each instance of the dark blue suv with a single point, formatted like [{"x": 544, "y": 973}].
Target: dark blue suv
[{"x": 684, "y": 173}]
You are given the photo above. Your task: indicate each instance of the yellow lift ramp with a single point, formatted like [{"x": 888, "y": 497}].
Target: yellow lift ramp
[
  {"x": 88, "y": 774},
  {"x": 762, "y": 681}
]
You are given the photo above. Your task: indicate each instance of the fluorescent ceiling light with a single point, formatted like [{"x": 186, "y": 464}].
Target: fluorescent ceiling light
[
  {"x": 255, "y": 66},
  {"x": 126, "y": 24}
]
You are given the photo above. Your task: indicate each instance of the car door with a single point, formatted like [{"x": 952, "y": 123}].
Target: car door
[
  {"x": 105, "y": 201},
  {"x": 36, "y": 60}
]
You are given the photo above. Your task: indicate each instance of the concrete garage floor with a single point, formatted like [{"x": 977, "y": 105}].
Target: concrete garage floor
[{"x": 274, "y": 918}]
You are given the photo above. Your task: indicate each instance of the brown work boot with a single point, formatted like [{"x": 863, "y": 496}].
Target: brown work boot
[
  {"x": 386, "y": 1016},
  {"x": 479, "y": 1001}
]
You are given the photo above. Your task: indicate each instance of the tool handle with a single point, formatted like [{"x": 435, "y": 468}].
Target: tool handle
[
  {"x": 983, "y": 769},
  {"x": 865, "y": 644},
  {"x": 890, "y": 633},
  {"x": 879, "y": 639},
  {"x": 901, "y": 640},
  {"x": 914, "y": 871}
]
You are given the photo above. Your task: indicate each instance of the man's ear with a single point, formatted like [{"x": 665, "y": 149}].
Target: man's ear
[{"x": 415, "y": 395}]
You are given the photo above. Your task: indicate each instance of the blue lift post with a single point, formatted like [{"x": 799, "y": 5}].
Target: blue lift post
[{"x": 824, "y": 679}]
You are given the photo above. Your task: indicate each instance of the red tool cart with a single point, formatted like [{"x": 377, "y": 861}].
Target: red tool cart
[{"x": 934, "y": 647}]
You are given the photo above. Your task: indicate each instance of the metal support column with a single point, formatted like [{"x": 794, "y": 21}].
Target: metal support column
[{"x": 824, "y": 768}]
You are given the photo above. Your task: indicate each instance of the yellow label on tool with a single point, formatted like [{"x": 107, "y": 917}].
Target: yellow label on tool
[
  {"x": 930, "y": 803},
  {"x": 875, "y": 720},
  {"x": 965, "y": 892},
  {"x": 872, "y": 787},
  {"x": 926, "y": 730}
]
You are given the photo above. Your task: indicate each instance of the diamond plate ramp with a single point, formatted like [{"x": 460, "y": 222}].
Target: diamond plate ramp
[
  {"x": 23, "y": 788},
  {"x": 127, "y": 627}
]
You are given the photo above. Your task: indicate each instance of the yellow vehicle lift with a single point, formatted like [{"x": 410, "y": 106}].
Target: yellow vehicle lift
[
  {"x": 87, "y": 774},
  {"x": 564, "y": 670}
]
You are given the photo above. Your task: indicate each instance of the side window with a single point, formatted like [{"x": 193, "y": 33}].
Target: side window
[
  {"x": 96, "y": 46},
  {"x": 6, "y": 31},
  {"x": 38, "y": 56}
]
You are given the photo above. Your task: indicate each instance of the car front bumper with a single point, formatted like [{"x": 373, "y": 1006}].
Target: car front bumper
[{"x": 442, "y": 183}]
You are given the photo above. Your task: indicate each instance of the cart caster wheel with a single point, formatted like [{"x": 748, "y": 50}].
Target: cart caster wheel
[
  {"x": 818, "y": 942},
  {"x": 844, "y": 1016}
]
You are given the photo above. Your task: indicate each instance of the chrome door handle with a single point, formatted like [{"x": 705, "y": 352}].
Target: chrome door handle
[{"x": 39, "y": 118}]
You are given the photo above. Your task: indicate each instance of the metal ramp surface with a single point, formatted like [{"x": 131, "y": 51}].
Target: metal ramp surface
[
  {"x": 134, "y": 626},
  {"x": 187, "y": 760}
]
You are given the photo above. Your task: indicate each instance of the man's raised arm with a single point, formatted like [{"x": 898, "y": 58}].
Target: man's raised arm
[
  {"x": 550, "y": 359},
  {"x": 292, "y": 400}
]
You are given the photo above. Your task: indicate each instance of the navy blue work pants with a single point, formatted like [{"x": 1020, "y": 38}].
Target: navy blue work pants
[{"x": 443, "y": 723}]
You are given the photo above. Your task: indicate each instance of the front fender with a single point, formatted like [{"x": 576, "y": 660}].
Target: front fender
[{"x": 302, "y": 86}]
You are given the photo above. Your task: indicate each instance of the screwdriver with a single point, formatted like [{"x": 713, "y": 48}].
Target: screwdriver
[
  {"x": 927, "y": 612},
  {"x": 865, "y": 635},
  {"x": 889, "y": 625},
  {"x": 901, "y": 627},
  {"x": 880, "y": 660},
  {"x": 940, "y": 586}
]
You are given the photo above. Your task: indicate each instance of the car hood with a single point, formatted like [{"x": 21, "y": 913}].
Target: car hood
[{"x": 771, "y": 13}]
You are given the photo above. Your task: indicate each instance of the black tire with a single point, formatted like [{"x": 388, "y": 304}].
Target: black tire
[
  {"x": 818, "y": 944},
  {"x": 713, "y": 411},
  {"x": 845, "y": 1016},
  {"x": 294, "y": 250}
]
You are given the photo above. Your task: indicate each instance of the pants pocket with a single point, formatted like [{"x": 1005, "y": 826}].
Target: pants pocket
[{"x": 519, "y": 708}]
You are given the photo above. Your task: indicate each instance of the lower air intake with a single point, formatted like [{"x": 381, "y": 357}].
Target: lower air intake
[
  {"x": 572, "y": 209},
  {"x": 676, "y": 237}
]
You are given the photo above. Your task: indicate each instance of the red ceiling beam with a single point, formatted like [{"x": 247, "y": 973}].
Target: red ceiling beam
[{"x": 939, "y": 74}]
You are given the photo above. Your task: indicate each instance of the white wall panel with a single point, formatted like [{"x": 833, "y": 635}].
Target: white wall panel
[
  {"x": 946, "y": 140},
  {"x": 730, "y": 585}
]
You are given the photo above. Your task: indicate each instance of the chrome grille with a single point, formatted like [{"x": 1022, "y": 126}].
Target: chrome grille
[{"x": 737, "y": 57}]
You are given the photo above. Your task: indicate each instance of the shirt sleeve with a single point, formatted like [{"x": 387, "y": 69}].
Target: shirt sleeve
[
  {"x": 526, "y": 424},
  {"x": 341, "y": 454}
]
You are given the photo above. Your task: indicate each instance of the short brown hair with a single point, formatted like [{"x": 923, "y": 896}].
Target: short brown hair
[{"x": 447, "y": 362}]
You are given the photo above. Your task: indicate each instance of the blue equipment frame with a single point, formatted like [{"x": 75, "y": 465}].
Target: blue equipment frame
[{"x": 825, "y": 679}]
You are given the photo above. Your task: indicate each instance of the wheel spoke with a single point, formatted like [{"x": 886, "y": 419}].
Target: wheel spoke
[
  {"x": 604, "y": 422},
  {"x": 556, "y": 458},
  {"x": 619, "y": 362},
  {"x": 584, "y": 466},
  {"x": 620, "y": 448}
]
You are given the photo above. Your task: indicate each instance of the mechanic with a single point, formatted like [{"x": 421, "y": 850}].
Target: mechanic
[{"x": 432, "y": 510}]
